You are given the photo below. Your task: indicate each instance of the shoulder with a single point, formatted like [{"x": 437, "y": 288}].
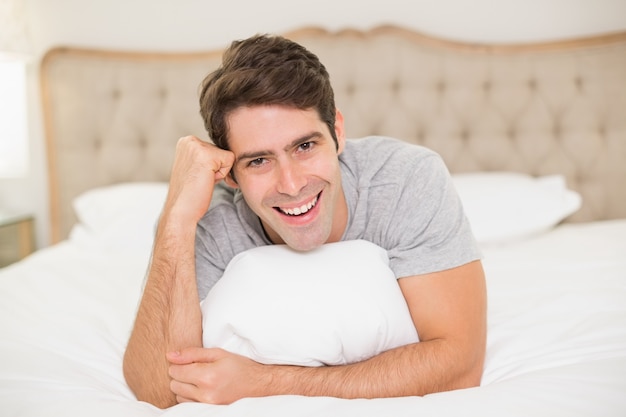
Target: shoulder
[
  {"x": 383, "y": 144},
  {"x": 383, "y": 158},
  {"x": 384, "y": 149}
]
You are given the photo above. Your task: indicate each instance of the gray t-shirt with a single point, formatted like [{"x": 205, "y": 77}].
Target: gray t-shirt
[{"x": 399, "y": 197}]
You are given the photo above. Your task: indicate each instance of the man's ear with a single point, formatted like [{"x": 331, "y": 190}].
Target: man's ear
[
  {"x": 340, "y": 132},
  {"x": 229, "y": 179}
]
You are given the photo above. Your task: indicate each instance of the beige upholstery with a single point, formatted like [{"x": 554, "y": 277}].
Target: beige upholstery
[{"x": 539, "y": 109}]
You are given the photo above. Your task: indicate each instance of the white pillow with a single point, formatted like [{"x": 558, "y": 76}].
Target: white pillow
[
  {"x": 505, "y": 206},
  {"x": 121, "y": 216},
  {"x": 335, "y": 305}
]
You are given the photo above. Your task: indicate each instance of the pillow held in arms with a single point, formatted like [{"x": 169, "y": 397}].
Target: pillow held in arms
[{"x": 338, "y": 304}]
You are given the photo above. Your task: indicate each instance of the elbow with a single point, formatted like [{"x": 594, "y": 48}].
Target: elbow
[
  {"x": 473, "y": 373},
  {"x": 472, "y": 378},
  {"x": 145, "y": 389},
  {"x": 466, "y": 370},
  {"x": 466, "y": 380}
]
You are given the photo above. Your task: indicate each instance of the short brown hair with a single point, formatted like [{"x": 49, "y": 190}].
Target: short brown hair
[{"x": 265, "y": 70}]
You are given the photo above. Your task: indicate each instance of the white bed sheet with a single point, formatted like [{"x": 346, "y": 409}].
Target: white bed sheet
[{"x": 556, "y": 341}]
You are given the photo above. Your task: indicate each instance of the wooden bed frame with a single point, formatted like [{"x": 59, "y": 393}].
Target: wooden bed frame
[{"x": 549, "y": 108}]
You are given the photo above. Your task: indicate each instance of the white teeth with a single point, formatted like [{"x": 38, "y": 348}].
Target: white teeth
[{"x": 300, "y": 210}]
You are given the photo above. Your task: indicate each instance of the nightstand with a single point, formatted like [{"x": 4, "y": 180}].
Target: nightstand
[{"x": 16, "y": 237}]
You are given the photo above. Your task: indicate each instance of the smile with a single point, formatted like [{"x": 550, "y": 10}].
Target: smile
[{"x": 297, "y": 211}]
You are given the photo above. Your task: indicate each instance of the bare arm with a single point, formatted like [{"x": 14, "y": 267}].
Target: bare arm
[
  {"x": 449, "y": 311},
  {"x": 169, "y": 316}
]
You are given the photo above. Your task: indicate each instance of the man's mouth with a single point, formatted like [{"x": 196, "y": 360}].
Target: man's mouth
[{"x": 298, "y": 211}]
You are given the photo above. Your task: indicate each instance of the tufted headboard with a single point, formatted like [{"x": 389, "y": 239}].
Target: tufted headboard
[{"x": 548, "y": 108}]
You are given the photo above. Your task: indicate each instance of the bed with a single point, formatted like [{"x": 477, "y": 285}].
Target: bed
[{"x": 535, "y": 140}]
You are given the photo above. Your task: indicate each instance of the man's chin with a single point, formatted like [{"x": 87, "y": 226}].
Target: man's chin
[
  {"x": 304, "y": 247},
  {"x": 304, "y": 244},
  {"x": 302, "y": 238}
]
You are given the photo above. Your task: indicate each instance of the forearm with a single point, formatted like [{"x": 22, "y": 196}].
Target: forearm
[
  {"x": 449, "y": 311},
  {"x": 416, "y": 369},
  {"x": 169, "y": 316}
]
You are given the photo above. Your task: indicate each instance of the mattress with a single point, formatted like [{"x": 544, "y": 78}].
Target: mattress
[{"x": 556, "y": 334}]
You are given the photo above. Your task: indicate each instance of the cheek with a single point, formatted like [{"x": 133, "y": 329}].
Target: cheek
[
  {"x": 329, "y": 170},
  {"x": 254, "y": 190},
  {"x": 324, "y": 165}
]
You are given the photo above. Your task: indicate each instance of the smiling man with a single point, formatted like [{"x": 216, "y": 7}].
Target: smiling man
[
  {"x": 286, "y": 160},
  {"x": 282, "y": 172}
]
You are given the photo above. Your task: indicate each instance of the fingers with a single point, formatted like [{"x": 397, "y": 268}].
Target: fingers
[
  {"x": 180, "y": 399},
  {"x": 222, "y": 173},
  {"x": 194, "y": 354},
  {"x": 214, "y": 376},
  {"x": 185, "y": 392},
  {"x": 198, "y": 166},
  {"x": 190, "y": 148},
  {"x": 193, "y": 381},
  {"x": 185, "y": 380}
]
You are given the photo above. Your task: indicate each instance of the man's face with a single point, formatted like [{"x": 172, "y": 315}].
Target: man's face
[{"x": 287, "y": 168}]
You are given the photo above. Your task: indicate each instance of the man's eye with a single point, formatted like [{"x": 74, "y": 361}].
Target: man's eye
[
  {"x": 306, "y": 146},
  {"x": 256, "y": 162}
]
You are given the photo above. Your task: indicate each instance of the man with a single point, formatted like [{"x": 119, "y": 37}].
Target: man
[{"x": 294, "y": 178}]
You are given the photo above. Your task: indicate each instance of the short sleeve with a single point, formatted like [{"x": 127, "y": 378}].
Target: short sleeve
[{"x": 429, "y": 231}]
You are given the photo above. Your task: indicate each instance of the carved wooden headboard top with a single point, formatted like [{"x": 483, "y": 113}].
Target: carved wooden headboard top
[{"x": 551, "y": 108}]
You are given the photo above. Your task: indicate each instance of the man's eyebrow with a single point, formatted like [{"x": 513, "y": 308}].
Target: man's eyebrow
[
  {"x": 294, "y": 143},
  {"x": 252, "y": 155},
  {"x": 303, "y": 139}
]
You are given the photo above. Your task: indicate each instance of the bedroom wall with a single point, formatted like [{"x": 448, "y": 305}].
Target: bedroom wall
[{"x": 203, "y": 24}]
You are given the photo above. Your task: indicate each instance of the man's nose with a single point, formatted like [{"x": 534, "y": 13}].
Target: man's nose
[{"x": 290, "y": 179}]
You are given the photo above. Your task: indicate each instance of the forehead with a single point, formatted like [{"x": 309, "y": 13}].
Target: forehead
[{"x": 259, "y": 126}]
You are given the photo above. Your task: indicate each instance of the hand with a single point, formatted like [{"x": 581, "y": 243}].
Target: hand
[
  {"x": 198, "y": 166},
  {"x": 215, "y": 376}
]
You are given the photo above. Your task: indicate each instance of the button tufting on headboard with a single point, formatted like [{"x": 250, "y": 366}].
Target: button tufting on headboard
[{"x": 555, "y": 108}]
